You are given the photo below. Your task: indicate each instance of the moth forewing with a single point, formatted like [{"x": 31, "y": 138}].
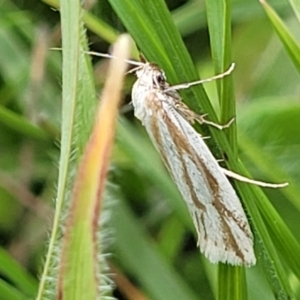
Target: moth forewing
[{"x": 223, "y": 230}]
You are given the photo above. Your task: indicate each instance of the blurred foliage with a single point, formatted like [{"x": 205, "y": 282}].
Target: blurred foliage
[{"x": 154, "y": 248}]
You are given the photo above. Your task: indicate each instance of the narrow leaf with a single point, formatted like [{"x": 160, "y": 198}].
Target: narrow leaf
[
  {"x": 289, "y": 42},
  {"x": 78, "y": 278}
]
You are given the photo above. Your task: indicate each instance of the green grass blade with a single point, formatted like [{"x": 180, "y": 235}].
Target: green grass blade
[
  {"x": 231, "y": 285},
  {"x": 77, "y": 117},
  {"x": 267, "y": 165},
  {"x": 101, "y": 28},
  {"x": 288, "y": 41},
  {"x": 12, "y": 271},
  {"x": 296, "y": 7},
  {"x": 282, "y": 236},
  {"x": 189, "y": 17},
  {"x": 94, "y": 24},
  {"x": 264, "y": 215},
  {"x": 79, "y": 276},
  {"x": 163, "y": 45},
  {"x": 22, "y": 125},
  {"x": 283, "y": 120},
  {"x": 170, "y": 243},
  {"x": 158, "y": 278},
  {"x": 10, "y": 293},
  {"x": 219, "y": 25}
]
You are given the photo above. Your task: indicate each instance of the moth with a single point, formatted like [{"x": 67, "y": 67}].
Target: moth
[
  {"x": 224, "y": 234},
  {"x": 223, "y": 231}
]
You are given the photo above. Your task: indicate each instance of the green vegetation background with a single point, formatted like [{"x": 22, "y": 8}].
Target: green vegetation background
[{"x": 150, "y": 234}]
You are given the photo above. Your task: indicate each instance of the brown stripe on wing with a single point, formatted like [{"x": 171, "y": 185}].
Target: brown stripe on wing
[
  {"x": 225, "y": 214},
  {"x": 157, "y": 136},
  {"x": 213, "y": 185},
  {"x": 183, "y": 147},
  {"x": 154, "y": 104}
]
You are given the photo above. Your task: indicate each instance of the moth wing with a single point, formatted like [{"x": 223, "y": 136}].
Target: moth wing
[{"x": 223, "y": 230}]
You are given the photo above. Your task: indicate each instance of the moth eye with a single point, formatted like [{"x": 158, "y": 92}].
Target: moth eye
[{"x": 160, "y": 79}]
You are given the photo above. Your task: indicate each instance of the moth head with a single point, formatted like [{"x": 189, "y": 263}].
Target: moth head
[{"x": 151, "y": 75}]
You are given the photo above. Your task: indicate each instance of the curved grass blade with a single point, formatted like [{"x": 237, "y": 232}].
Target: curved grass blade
[
  {"x": 289, "y": 42},
  {"x": 296, "y": 8},
  {"x": 22, "y": 125},
  {"x": 9, "y": 292},
  {"x": 158, "y": 278},
  {"x": 96, "y": 25},
  {"x": 267, "y": 165},
  {"x": 79, "y": 276},
  {"x": 15, "y": 274}
]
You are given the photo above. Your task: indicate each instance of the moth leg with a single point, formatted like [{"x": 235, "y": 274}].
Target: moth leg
[
  {"x": 205, "y": 137},
  {"x": 255, "y": 182},
  {"x": 185, "y": 112},
  {"x": 201, "y": 119},
  {"x": 191, "y": 116}
]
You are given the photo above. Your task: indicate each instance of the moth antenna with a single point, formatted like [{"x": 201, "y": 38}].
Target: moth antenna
[
  {"x": 106, "y": 55},
  {"x": 135, "y": 69},
  {"x": 132, "y": 62}
]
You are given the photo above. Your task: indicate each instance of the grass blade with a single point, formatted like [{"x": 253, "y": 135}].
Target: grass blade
[
  {"x": 78, "y": 101},
  {"x": 289, "y": 42},
  {"x": 219, "y": 22},
  {"x": 150, "y": 268},
  {"x": 79, "y": 273}
]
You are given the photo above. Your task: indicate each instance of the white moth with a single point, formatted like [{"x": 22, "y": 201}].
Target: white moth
[{"x": 224, "y": 234}]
